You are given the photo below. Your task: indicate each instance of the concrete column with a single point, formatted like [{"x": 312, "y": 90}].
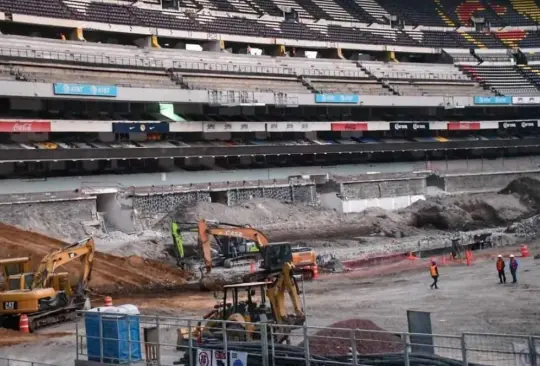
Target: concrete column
[
  {"x": 214, "y": 46},
  {"x": 279, "y": 50},
  {"x": 334, "y": 53},
  {"x": 77, "y": 34},
  {"x": 143, "y": 42}
]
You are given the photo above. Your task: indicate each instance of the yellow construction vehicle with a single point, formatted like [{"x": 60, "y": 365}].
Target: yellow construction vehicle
[
  {"x": 240, "y": 307},
  {"x": 45, "y": 296},
  {"x": 237, "y": 245}
]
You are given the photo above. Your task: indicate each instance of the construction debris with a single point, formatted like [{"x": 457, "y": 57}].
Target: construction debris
[{"x": 337, "y": 342}]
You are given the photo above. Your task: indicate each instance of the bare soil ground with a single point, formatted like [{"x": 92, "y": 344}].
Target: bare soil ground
[
  {"x": 111, "y": 274},
  {"x": 469, "y": 300}
]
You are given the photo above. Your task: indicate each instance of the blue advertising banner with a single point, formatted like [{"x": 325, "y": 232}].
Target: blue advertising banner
[
  {"x": 85, "y": 90},
  {"x": 493, "y": 100},
  {"x": 158, "y": 127},
  {"x": 337, "y": 98}
]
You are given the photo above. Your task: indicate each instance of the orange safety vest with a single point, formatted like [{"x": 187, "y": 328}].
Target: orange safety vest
[
  {"x": 433, "y": 270},
  {"x": 500, "y": 264}
]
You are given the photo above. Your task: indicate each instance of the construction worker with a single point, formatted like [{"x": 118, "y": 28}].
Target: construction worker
[
  {"x": 500, "y": 269},
  {"x": 513, "y": 268},
  {"x": 434, "y": 271}
]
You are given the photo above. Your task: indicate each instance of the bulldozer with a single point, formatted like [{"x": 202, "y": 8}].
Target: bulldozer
[
  {"x": 45, "y": 296},
  {"x": 244, "y": 313}
]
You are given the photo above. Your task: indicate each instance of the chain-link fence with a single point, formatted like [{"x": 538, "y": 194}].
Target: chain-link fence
[{"x": 115, "y": 338}]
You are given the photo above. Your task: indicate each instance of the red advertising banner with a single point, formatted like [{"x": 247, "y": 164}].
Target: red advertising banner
[
  {"x": 25, "y": 126},
  {"x": 350, "y": 126},
  {"x": 463, "y": 126}
]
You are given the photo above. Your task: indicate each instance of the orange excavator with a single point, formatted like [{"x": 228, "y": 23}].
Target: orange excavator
[{"x": 240, "y": 245}]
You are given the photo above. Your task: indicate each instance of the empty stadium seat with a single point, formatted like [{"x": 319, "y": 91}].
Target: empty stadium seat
[
  {"x": 506, "y": 80},
  {"x": 243, "y": 83}
]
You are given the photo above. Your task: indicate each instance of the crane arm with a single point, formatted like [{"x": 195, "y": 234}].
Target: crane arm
[
  {"x": 83, "y": 249},
  {"x": 205, "y": 232},
  {"x": 285, "y": 283}
]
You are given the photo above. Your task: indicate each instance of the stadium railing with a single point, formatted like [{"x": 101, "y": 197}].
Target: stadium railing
[{"x": 168, "y": 342}]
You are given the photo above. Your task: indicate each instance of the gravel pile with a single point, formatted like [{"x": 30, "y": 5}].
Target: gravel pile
[{"x": 337, "y": 342}]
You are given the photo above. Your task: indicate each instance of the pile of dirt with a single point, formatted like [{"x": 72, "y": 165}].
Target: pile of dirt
[
  {"x": 528, "y": 190},
  {"x": 337, "y": 342},
  {"x": 282, "y": 221},
  {"x": 111, "y": 274},
  {"x": 465, "y": 212}
]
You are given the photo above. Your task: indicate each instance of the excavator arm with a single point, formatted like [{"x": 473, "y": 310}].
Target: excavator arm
[
  {"x": 206, "y": 231},
  {"x": 83, "y": 249},
  {"x": 285, "y": 283}
]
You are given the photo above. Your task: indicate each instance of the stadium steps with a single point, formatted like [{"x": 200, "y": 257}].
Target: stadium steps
[
  {"x": 528, "y": 8},
  {"x": 374, "y": 9},
  {"x": 177, "y": 79},
  {"x": 307, "y": 83},
  {"x": 470, "y": 39},
  {"x": 533, "y": 75},
  {"x": 441, "y": 13},
  {"x": 385, "y": 84}
]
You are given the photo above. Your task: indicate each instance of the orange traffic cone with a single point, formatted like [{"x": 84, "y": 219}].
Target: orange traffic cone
[
  {"x": 443, "y": 260},
  {"x": 315, "y": 272},
  {"x": 524, "y": 251},
  {"x": 252, "y": 267},
  {"x": 23, "y": 324},
  {"x": 108, "y": 301},
  {"x": 411, "y": 256}
]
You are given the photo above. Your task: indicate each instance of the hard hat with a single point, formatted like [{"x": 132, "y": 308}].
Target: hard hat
[
  {"x": 511, "y": 256},
  {"x": 499, "y": 256}
]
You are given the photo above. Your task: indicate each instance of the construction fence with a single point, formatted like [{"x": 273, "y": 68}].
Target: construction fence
[{"x": 164, "y": 341}]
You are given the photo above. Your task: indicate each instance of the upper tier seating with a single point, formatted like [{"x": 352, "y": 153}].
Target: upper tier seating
[
  {"x": 51, "y": 73},
  {"x": 506, "y": 80},
  {"x": 425, "y": 79},
  {"x": 244, "y": 83},
  {"x": 441, "y": 13}
]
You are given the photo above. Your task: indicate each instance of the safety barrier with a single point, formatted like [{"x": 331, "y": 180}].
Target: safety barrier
[{"x": 166, "y": 341}]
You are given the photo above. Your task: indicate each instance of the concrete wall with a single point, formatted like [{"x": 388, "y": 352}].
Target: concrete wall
[
  {"x": 69, "y": 220},
  {"x": 148, "y": 205},
  {"x": 388, "y": 203},
  {"x": 484, "y": 181},
  {"x": 384, "y": 188}
]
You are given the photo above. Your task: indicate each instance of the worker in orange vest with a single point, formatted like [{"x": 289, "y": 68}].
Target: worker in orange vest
[
  {"x": 500, "y": 268},
  {"x": 434, "y": 271}
]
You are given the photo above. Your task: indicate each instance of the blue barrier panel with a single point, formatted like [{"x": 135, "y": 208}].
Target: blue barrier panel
[
  {"x": 493, "y": 100},
  {"x": 85, "y": 90},
  {"x": 337, "y": 98},
  {"x": 158, "y": 127}
]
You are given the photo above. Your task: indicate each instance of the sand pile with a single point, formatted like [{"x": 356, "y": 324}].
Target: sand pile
[{"x": 111, "y": 274}]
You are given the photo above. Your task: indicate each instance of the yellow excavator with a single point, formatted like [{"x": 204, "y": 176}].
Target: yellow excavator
[
  {"x": 45, "y": 296},
  {"x": 237, "y": 245},
  {"x": 241, "y": 308}
]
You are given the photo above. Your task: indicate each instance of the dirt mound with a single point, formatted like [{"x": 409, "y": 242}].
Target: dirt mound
[
  {"x": 528, "y": 189},
  {"x": 111, "y": 274},
  {"x": 465, "y": 212},
  {"x": 282, "y": 221},
  {"x": 337, "y": 341}
]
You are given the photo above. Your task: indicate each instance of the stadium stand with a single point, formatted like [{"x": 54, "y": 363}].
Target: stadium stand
[{"x": 504, "y": 79}]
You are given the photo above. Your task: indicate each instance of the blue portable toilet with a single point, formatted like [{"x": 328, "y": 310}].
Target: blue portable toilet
[{"x": 113, "y": 334}]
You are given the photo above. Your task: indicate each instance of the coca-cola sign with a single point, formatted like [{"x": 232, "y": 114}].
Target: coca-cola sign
[
  {"x": 25, "y": 126},
  {"x": 463, "y": 126}
]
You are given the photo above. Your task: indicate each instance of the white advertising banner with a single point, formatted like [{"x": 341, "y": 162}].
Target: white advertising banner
[
  {"x": 298, "y": 126},
  {"x": 185, "y": 127},
  {"x": 80, "y": 126},
  {"x": 525, "y": 100},
  {"x": 234, "y": 127}
]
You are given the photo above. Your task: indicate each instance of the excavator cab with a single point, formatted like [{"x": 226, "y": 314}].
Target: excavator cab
[
  {"x": 12, "y": 267},
  {"x": 275, "y": 256}
]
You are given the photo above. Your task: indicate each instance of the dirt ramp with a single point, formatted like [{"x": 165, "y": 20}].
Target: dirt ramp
[
  {"x": 528, "y": 190},
  {"x": 111, "y": 274}
]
